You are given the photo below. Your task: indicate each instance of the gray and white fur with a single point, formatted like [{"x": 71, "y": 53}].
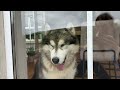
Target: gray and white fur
[{"x": 58, "y": 55}]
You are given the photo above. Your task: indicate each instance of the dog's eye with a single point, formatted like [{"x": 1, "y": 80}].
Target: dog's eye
[{"x": 62, "y": 45}]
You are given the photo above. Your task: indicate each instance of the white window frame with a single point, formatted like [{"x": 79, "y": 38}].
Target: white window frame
[
  {"x": 90, "y": 44},
  {"x": 8, "y": 44}
]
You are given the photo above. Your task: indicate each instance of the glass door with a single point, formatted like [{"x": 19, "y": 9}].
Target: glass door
[
  {"x": 106, "y": 44},
  {"x": 51, "y": 44}
]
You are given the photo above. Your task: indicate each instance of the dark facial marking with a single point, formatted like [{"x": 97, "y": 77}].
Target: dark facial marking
[
  {"x": 58, "y": 34},
  {"x": 71, "y": 40}
]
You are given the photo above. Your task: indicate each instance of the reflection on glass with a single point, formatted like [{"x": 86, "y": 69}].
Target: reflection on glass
[
  {"x": 54, "y": 42},
  {"x": 106, "y": 45}
]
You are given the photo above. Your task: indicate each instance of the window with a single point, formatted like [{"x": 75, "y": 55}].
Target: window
[
  {"x": 106, "y": 44},
  {"x": 30, "y": 36}
]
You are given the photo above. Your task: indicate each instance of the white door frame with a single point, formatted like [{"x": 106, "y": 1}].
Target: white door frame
[{"x": 8, "y": 44}]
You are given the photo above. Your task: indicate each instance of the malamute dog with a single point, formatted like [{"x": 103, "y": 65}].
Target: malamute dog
[{"x": 58, "y": 55}]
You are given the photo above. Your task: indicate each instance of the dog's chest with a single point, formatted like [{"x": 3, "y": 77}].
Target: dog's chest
[{"x": 66, "y": 74}]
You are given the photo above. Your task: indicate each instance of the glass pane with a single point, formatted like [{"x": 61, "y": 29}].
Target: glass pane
[
  {"x": 106, "y": 39},
  {"x": 55, "y": 42}
]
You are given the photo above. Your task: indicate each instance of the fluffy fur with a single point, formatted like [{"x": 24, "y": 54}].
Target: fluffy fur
[{"x": 63, "y": 44}]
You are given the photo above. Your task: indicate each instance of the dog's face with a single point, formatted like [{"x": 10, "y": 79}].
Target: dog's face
[{"x": 60, "y": 47}]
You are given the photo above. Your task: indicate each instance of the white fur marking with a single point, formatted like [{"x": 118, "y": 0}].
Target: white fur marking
[
  {"x": 61, "y": 42},
  {"x": 67, "y": 73},
  {"x": 52, "y": 42}
]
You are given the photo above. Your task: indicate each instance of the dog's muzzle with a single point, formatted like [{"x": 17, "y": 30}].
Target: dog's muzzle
[
  {"x": 60, "y": 67},
  {"x": 55, "y": 60}
]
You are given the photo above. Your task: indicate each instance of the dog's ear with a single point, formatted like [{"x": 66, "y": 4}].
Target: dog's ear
[
  {"x": 70, "y": 28},
  {"x": 47, "y": 28}
]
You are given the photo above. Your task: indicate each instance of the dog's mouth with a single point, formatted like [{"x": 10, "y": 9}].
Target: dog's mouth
[{"x": 61, "y": 66}]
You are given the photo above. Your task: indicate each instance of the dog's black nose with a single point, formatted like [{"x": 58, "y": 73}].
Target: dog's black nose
[{"x": 55, "y": 60}]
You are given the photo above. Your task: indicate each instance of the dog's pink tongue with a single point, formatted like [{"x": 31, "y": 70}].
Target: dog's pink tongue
[{"x": 60, "y": 67}]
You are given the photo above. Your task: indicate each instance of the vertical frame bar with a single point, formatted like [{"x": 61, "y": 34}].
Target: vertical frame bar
[
  {"x": 90, "y": 44},
  {"x": 8, "y": 44}
]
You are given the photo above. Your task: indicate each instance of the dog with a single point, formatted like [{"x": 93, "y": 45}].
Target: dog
[{"x": 58, "y": 54}]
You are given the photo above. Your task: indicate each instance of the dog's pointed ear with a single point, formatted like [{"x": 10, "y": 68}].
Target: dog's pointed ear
[
  {"x": 70, "y": 28},
  {"x": 47, "y": 28}
]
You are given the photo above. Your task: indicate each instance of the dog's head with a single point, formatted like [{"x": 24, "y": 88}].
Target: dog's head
[{"x": 60, "y": 46}]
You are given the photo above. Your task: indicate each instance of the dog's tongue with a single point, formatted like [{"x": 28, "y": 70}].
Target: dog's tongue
[{"x": 60, "y": 67}]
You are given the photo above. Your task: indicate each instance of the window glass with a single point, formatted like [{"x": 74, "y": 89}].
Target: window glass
[
  {"x": 106, "y": 42},
  {"x": 55, "y": 42}
]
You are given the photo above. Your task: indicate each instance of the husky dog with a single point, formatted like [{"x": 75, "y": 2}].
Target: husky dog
[{"x": 58, "y": 55}]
